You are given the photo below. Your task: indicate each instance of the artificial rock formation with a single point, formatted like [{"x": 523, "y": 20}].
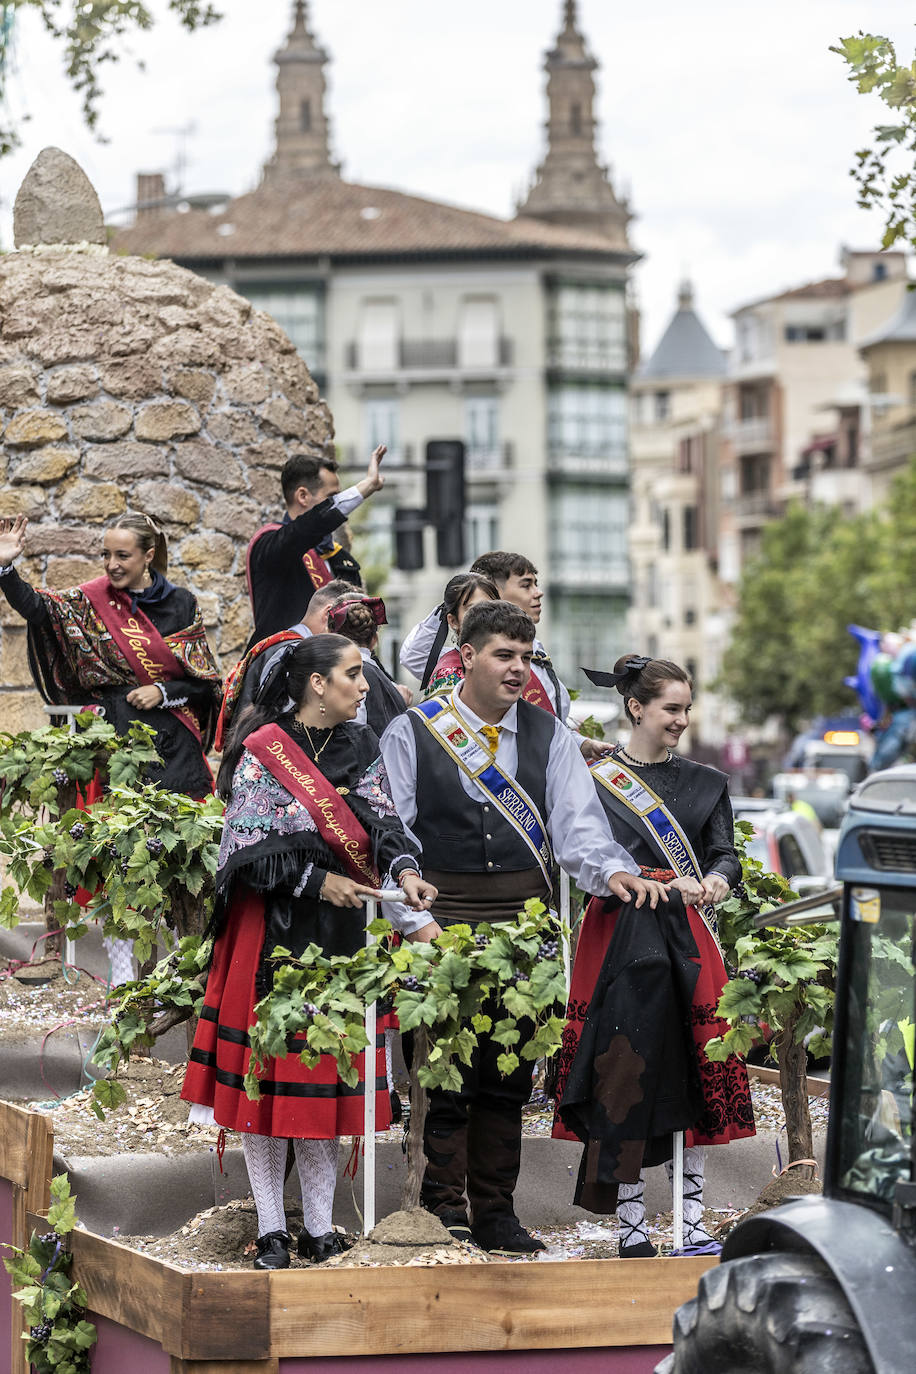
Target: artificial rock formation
[{"x": 135, "y": 384}]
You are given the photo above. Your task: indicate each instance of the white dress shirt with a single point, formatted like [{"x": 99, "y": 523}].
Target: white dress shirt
[
  {"x": 579, "y": 830},
  {"x": 347, "y": 501},
  {"x": 415, "y": 651}
]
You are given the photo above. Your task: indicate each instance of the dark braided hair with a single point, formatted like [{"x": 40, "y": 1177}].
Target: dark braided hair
[{"x": 317, "y": 654}]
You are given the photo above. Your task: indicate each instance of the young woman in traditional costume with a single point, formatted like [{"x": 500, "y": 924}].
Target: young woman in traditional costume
[
  {"x": 646, "y": 984},
  {"x": 309, "y": 829},
  {"x": 444, "y": 669},
  {"x": 358, "y": 618},
  {"x": 131, "y": 643}
]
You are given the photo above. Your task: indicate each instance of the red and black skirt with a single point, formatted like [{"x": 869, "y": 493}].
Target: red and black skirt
[
  {"x": 722, "y": 1108},
  {"x": 295, "y": 1101}
]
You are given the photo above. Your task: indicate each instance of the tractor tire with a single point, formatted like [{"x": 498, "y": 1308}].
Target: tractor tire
[{"x": 767, "y": 1314}]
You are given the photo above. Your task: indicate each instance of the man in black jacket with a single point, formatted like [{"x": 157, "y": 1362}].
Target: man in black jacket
[{"x": 289, "y": 561}]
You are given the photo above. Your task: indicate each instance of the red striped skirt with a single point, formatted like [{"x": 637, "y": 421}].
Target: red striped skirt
[
  {"x": 295, "y": 1101},
  {"x": 728, "y": 1111}
]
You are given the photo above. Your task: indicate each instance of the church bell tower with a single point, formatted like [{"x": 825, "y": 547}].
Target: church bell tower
[
  {"x": 302, "y": 147},
  {"x": 571, "y": 186}
]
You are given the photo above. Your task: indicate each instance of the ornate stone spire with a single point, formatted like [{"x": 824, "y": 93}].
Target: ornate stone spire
[
  {"x": 302, "y": 140},
  {"x": 571, "y": 186}
]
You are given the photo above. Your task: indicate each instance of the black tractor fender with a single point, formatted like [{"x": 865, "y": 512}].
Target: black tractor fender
[{"x": 872, "y": 1263}]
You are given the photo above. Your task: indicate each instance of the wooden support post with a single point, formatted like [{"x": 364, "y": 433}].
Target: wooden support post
[{"x": 31, "y": 1193}]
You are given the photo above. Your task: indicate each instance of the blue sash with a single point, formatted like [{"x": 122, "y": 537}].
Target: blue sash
[
  {"x": 472, "y": 756},
  {"x": 662, "y": 828}
]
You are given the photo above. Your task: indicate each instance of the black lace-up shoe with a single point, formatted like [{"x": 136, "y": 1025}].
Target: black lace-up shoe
[
  {"x": 456, "y": 1223},
  {"x": 505, "y": 1235},
  {"x": 273, "y": 1250},
  {"x": 321, "y": 1248}
]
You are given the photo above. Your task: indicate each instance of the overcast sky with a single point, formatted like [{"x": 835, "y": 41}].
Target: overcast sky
[{"x": 730, "y": 124}]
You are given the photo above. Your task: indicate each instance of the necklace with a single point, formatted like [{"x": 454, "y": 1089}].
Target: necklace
[
  {"x": 643, "y": 763},
  {"x": 303, "y": 728}
]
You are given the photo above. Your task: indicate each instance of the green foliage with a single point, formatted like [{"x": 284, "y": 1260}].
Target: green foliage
[
  {"x": 172, "y": 993},
  {"x": 41, "y": 768},
  {"x": 59, "y": 1338},
  {"x": 147, "y": 856},
  {"x": 783, "y": 979},
  {"x": 818, "y": 571},
  {"x": 93, "y": 32},
  {"x": 454, "y": 987},
  {"x": 885, "y": 172}
]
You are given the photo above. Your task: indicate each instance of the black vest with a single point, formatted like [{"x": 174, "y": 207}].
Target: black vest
[{"x": 462, "y": 835}]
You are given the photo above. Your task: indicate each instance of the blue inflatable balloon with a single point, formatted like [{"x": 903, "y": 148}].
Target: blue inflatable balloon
[{"x": 869, "y": 648}]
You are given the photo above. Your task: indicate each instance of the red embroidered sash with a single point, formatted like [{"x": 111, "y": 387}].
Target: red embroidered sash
[
  {"x": 150, "y": 658},
  {"x": 317, "y": 568},
  {"x": 537, "y": 695},
  {"x": 450, "y": 662},
  {"x": 236, "y": 678},
  {"x": 337, "y": 825}
]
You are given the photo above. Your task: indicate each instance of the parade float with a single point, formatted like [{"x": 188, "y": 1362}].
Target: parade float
[{"x": 129, "y": 381}]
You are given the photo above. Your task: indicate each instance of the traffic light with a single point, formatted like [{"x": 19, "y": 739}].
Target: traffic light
[
  {"x": 408, "y": 538},
  {"x": 450, "y": 544},
  {"x": 445, "y": 482}
]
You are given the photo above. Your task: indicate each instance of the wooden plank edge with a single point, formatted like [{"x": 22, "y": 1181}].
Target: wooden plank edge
[
  {"x": 816, "y": 1087},
  {"x": 15, "y": 1139},
  {"x": 192, "y": 1315},
  {"x": 544, "y": 1306}
]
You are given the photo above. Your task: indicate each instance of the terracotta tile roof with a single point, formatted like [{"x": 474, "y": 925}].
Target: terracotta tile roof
[
  {"x": 830, "y": 288},
  {"x": 326, "y": 216}
]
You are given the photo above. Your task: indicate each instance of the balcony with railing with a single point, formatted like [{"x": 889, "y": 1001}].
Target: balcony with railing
[
  {"x": 586, "y": 356},
  {"x": 429, "y": 357},
  {"x": 754, "y": 435},
  {"x": 756, "y": 508},
  {"x": 404, "y": 460},
  {"x": 587, "y": 461},
  {"x": 891, "y": 446}
]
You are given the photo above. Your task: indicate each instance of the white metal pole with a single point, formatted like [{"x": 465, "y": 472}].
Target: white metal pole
[
  {"x": 564, "y": 924},
  {"x": 369, "y": 1095},
  {"x": 70, "y": 945},
  {"x": 677, "y": 1190}
]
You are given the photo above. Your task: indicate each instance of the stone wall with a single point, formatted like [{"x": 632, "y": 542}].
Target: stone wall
[{"x": 134, "y": 384}]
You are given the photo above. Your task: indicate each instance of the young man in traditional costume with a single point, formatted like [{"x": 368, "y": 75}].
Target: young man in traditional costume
[
  {"x": 516, "y": 578},
  {"x": 493, "y": 788},
  {"x": 288, "y": 561}
]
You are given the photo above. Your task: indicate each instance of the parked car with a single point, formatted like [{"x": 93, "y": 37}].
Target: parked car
[{"x": 788, "y": 843}]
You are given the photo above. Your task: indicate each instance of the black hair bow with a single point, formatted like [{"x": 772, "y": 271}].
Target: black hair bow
[{"x": 630, "y": 669}]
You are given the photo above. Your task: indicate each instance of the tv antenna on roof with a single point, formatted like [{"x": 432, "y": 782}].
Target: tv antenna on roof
[{"x": 182, "y": 133}]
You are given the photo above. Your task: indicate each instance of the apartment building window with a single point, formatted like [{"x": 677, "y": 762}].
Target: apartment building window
[
  {"x": 478, "y": 332},
  {"x": 481, "y": 530},
  {"x": 585, "y": 629},
  {"x": 298, "y": 310},
  {"x": 481, "y": 430},
  {"x": 382, "y": 420},
  {"x": 587, "y": 421},
  {"x": 691, "y": 528},
  {"x": 755, "y": 473},
  {"x": 588, "y": 327},
  {"x": 588, "y": 532},
  {"x": 379, "y": 335}
]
